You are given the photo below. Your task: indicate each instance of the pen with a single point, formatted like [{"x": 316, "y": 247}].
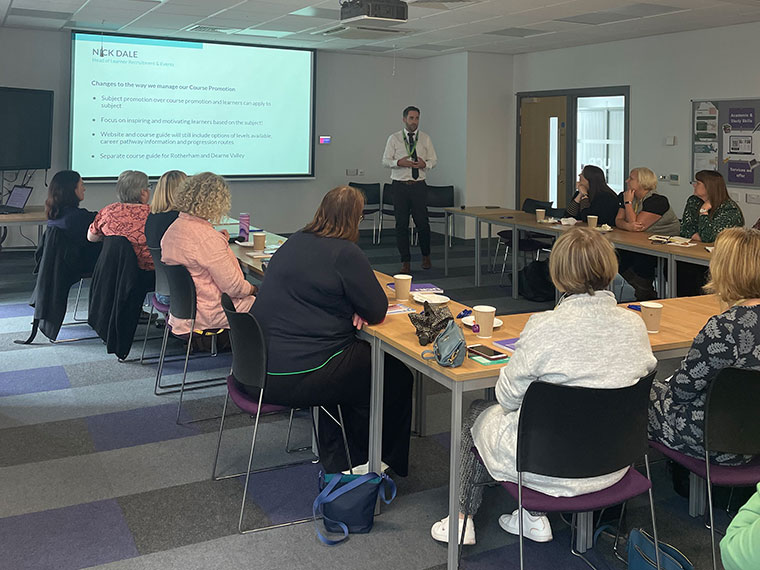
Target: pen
[
  {"x": 635, "y": 307},
  {"x": 506, "y": 217},
  {"x": 464, "y": 313}
]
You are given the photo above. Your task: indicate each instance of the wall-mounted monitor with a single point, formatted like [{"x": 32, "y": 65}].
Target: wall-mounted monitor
[
  {"x": 26, "y": 128},
  {"x": 155, "y": 104}
]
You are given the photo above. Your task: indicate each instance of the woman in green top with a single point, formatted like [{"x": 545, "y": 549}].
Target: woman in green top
[
  {"x": 740, "y": 548},
  {"x": 709, "y": 210}
]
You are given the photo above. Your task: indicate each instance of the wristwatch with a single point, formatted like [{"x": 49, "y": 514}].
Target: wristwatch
[{"x": 627, "y": 202}]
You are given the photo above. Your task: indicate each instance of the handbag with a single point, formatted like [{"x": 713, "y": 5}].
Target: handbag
[
  {"x": 641, "y": 554},
  {"x": 449, "y": 348},
  {"x": 430, "y": 322},
  {"x": 347, "y": 502}
]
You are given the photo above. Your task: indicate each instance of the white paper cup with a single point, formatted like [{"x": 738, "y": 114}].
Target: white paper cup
[
  {"x": 592, "y": 221},
  {"x": 652, "y": 314},
  {"x": 402, "y": 284},
  {"x": 484, "y": 315},
  {"x": 540, "y": 215},
  {"x": 259, "y": 240}
]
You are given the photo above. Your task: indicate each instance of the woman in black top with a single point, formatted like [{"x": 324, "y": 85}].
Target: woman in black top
[
  {"x": 593, "y": 197},
  {"x": 318, "y": 290},
  {"x": 65, "y": 192}
]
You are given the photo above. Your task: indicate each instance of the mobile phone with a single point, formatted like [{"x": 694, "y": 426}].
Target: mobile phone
[{"x": 486, "y": 352}]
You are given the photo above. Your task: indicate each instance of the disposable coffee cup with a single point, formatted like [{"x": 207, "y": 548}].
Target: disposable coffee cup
[
  {"x": 259, "y": 240},
  {"x": 651, "y": 312},
  {"x": 592, "y": 221},
  {"x": 484, "y": 315},
  {"x": 403, "y": 283},
  {"x": 540, "y": 215}
]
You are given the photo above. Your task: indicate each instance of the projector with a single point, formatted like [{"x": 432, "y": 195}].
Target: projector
[{"x": 373, "y": 11}]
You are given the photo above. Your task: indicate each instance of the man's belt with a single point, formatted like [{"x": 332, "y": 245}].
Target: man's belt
[{"x": 409, "y": 182}]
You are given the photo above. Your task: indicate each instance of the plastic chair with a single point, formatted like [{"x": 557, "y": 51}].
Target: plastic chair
[
  {"x": 386, "y": 208},
  {"x": 161, "y": 288},
  {"x": 574, "y": 432},
  {"x": 732, "y": 425},
  {"x": 249, "y": 367},
  {"x": 371, "y": 203}
]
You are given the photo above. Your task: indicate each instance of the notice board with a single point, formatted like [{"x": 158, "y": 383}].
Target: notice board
[{"x": 726, "y": 138}]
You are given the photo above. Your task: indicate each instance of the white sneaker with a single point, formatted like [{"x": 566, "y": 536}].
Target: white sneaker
[
  {"x": 440, "y": 531},
  {"x": 537, "y": 528},
  {"x": 363, "y": 469}
]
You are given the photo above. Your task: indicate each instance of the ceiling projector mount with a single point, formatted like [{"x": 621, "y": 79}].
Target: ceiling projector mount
[{"x": 373, "y": 11}]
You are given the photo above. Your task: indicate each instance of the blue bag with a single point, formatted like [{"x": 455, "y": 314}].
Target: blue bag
[
  {"x": 347, "y": 502},
  {"x": 641, "y": 554},
  {"x": 449, "y": 348}
]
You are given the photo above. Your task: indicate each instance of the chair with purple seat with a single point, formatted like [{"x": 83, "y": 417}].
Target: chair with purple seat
[
  {"x": 161, "y": 289},
  {"x": 732, "y": 425},
  {"x": 573, "y": 432},
  {"x": 249, "y": 368}
]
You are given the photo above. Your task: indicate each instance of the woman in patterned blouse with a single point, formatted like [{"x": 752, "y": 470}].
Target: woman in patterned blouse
[
  {"x": 709, "y": 210},
  {"x": 732, "y": 338}
]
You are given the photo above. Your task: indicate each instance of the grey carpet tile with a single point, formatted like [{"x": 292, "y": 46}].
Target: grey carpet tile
[
  {"x": 45, "y": 442},
  {"x": 428, "y": 467},
  {"x": 187, "y": 514}
]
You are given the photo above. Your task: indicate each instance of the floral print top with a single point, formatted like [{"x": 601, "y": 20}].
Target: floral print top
[{"x": 727, "y": 215}]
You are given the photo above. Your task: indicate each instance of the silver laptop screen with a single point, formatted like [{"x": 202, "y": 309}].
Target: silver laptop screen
[{"x": 19, "y": 196}]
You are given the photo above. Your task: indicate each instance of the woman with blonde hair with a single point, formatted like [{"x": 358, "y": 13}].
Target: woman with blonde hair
[
  {"x": 162, "y": 209},
  {"x": 732, "y": 338},
  {"x": 318, "y": 289},
  {"x": 193, "y": 242},
  {"x": 577, "y": 344},
  {"x": 641, "y": 209}
]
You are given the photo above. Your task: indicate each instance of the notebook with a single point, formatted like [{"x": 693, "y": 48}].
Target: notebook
[
  {"x": 16, "y": 200},
  {"x": 508, "y": 343},
  {"x": 420, "y": 288}
]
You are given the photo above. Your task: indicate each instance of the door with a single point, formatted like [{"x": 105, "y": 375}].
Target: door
[{"x": 543, "y": 147}]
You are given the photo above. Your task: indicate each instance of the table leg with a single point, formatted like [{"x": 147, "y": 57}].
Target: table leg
[
  {"x": 376, "y": 406},
  {"x": 672, "y": 277},
  {"x": 488, "y": 245},
  {"x": 477, "y": 252},
  {"x": 661, "y": 288},
  {"x": 515, "y": 253},
  {"x": 454, "y": 475},
  {"x": 446, "y": 245}
]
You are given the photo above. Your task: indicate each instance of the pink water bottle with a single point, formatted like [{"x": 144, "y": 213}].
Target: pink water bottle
[{"x": 245, "y": 225}]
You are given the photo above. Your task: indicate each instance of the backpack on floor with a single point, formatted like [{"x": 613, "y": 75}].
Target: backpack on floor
[{"x": 534, "y": 281}]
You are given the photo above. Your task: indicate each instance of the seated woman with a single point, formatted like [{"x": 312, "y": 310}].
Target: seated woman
[
  {"x": 193, "y": 242},
  {"x": 127, "y": 217},
  {"x": 555, "y": 346},
  {"x": 62, "y": 209},
  {"x": 594, "y": 197},
  {"x": 676, "y": 413},
  {"x": 707, "y": 212},
  {"x": 642, "y": 209},
  {"x": 162, "y": 212},
  {"x": 318, "y": 288}
]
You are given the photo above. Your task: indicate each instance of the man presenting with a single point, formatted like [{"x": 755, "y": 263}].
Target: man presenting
[{"x": 409, "y": 153}]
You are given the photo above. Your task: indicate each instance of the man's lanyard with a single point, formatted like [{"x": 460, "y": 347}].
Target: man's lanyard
[{"x": 410, "y": 150}]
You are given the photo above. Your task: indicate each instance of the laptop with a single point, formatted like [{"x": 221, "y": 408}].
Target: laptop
[{"x": 16, "y": 200}]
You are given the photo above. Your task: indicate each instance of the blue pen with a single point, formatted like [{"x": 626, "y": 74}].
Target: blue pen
[
  {"x": 635, "y": 307},
  {"x": 464, "y": 313}
]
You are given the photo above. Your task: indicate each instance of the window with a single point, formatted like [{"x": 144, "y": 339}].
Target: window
[{"x": 601, "y": 137}]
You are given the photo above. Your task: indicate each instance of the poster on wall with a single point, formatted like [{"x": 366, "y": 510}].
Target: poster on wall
[{"x": 726, "y": 138}]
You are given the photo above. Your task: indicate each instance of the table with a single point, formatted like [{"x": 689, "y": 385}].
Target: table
[
  {"x": 682, "y": 320},
  {"x": 33, "y": 215},
  {"x": 631, "y": 241},
  {"x": 250, "y": 264}
]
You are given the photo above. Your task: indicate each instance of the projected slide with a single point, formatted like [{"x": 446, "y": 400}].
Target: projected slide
[{"x": 156, "y": 105}]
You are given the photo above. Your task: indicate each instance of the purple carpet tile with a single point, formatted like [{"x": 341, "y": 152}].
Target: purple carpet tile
[
  {"x": 554, "y": 554},
  {"x": 16, "y": 310},
  {"x": 68, "y": 538},
  {"x": 285, "y": 494},
  {"x": 33, "y": 380},
  {"x": 82, "y": 330},
  {"x": 137, "y": 427}
]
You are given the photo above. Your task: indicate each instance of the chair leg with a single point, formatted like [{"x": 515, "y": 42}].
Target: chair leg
[
  {"x": 345, "y": 440},
  {"x": 520, "y": 519},
  {"x": 161, "y": 357},
  {"x": 287, "y": 438},
  {"x": 219, "y": 438},
  {"x": 184, "y": 372},
  {"x": 145, "y": 338},
  {"x": 495, "y": 256},
  {"x": 654, "y": 523},
  {"x": 575, "y": 532},
  {"x": 710, "y": 507},
  {"x": 504, "y": 265},
  {"x": 76, "y": 305},
  {"x": 250, "y": 461},
  {"x": 617, "y": 534},
  {"x": 697, "y": 494}
]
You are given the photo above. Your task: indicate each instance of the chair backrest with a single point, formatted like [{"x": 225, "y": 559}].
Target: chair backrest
[
  {"x": 388, "y": 193},
  {"x": 181, "y": 291},
  {"x": 162, "y": 281},
  {"x": 440, "y": 196},
  {"x": 573, "y": 432},
  {"x": 732, "y": 423},
  {"x": 530, "y": 205},
  {"x": 249, "y": 353},
  {"x": 371, "y": 191}
]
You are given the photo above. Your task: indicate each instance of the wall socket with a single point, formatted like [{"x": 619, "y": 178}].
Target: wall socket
[
  {"x": 734, "y": 196},
  {"x": 752, "y": 198},
  {"x": 674, "y": 179},
  {"x": 352, "y": 172},
  {"x": 360, "y": 172}
]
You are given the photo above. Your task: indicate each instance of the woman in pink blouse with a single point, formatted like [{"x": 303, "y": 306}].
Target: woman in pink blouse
[
  {"x": 127, "y": 216},
  {"x": 192, "y": 241}
]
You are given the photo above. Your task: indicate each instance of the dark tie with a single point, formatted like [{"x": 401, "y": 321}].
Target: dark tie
[{"x": 415, "y": 171}]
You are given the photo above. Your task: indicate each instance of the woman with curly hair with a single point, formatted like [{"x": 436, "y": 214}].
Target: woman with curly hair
[{"x": 193, "y": 242}]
